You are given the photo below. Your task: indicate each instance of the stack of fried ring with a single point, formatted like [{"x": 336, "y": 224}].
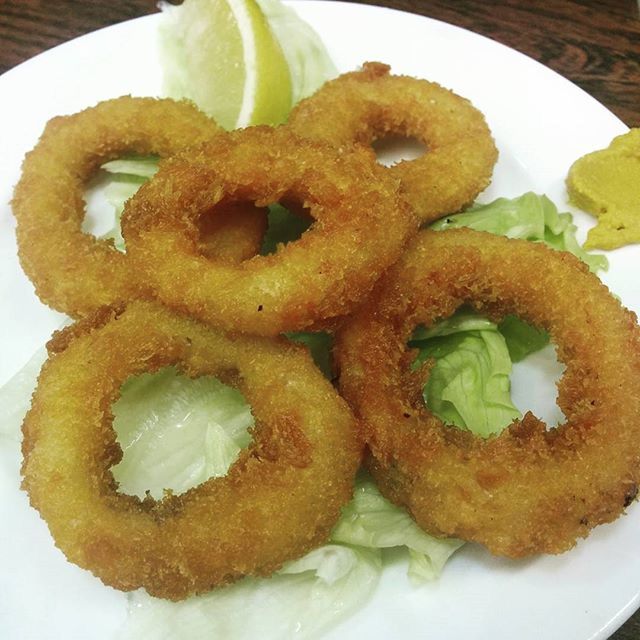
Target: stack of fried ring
[
  {"x": 306, "y": 449},
  {"x": 528, "y": 490},
  {"x": 525, "y": 491},
  {"x": 278, "y": 500}
]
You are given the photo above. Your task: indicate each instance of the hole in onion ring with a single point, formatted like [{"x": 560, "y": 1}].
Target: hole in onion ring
[
  {"x": 220, "y": 237},
  {"x": 473, "y": 373},
  {"x": 320, "y": 345},
  {"x": 534, "y": 383},
  {"x": 391, "y": 149},
  {"x": 287, "y": 222},
  {"x": 107, "y": 191},
  {"x": 176, "y": 432},
  {"x": 232, "y": 231}
]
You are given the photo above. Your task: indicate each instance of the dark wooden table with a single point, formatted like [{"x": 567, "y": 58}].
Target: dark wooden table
[{"x": 594, "y": 43}]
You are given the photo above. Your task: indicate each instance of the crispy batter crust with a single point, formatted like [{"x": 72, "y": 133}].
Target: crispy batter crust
[
  {"x": 361, "y": 224},
  {"x": 530, "y": 489},
  {"x": 279, "y": 500},
  {"x": 360, "y": 106}
]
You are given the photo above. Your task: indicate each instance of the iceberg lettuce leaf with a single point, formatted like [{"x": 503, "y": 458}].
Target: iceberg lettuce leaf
[
  {"x": 530, "y": 217},
  {"x": 371, "y": 521},
  {"x": 521, "y": 338},
  {"x": 469, "y": 384},
  {"x": 304, "y": 598}
]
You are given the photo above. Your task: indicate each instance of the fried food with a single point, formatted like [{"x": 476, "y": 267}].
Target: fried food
[
  {"x": 528, "y": 490},
  {"x": 49, "y": 208},
  {"x": 606, "y": 183},
  {"x": 279, "y": 500},
  {"x": 232, "y": 232},
  {"x": 360, "y": 226},
  {"x": 360, "y": 106}
]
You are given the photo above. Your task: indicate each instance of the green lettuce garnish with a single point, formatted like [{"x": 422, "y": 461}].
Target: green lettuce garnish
[
  {"x": 469, "y": 385},
  {"x": 283, "y": 227},
  {"x": 319, "y": 344},
  {"x": 133, "y": 168},
  {"x": 521, "y": 338},
  {"x": 176, "y": 432},
  {"x": 302, "y": 600},
  {"x": 371, "y": 521},
  {"x": 530, "y": 217}
]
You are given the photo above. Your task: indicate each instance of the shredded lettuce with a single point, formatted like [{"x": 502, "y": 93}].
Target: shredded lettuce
[{"x": 176, "y": 432}]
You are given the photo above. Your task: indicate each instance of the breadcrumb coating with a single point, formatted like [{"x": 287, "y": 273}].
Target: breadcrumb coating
[{"x": 361, "y": 224}]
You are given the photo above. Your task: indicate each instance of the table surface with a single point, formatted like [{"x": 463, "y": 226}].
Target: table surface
[{"x": 594, "y": 43}]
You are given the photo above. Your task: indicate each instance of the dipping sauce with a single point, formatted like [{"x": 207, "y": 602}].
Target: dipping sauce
[{"x": 606, "y": 183}]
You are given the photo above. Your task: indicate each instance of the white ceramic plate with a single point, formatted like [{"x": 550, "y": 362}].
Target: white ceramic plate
[{"x": 541, "y": 123}]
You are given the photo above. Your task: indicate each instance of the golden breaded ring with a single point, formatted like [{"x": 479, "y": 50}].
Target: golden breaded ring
[
  {"x": 361, "y": 224},
  {"x": 74, "y": 271},
  {"x": 360, "y": 106},
  {"x": 530, "y": 489},
  {"x": 278, "y": 500}
]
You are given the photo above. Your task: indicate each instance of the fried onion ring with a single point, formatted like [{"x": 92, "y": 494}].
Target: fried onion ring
[
  {"x": 529, "y": 489},
  {"x": 278, "y": 500},
  {"x": 49, "y": 207},
  {"x": 361, "y": 224},
  {"x": 360, "y": 106}
]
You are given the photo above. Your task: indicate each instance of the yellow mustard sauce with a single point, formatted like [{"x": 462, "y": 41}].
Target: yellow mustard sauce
[{"x": 606, "y": 183}]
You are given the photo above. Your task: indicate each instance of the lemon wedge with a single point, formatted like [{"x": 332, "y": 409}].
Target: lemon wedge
[{"x": 222, "y": 55}]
